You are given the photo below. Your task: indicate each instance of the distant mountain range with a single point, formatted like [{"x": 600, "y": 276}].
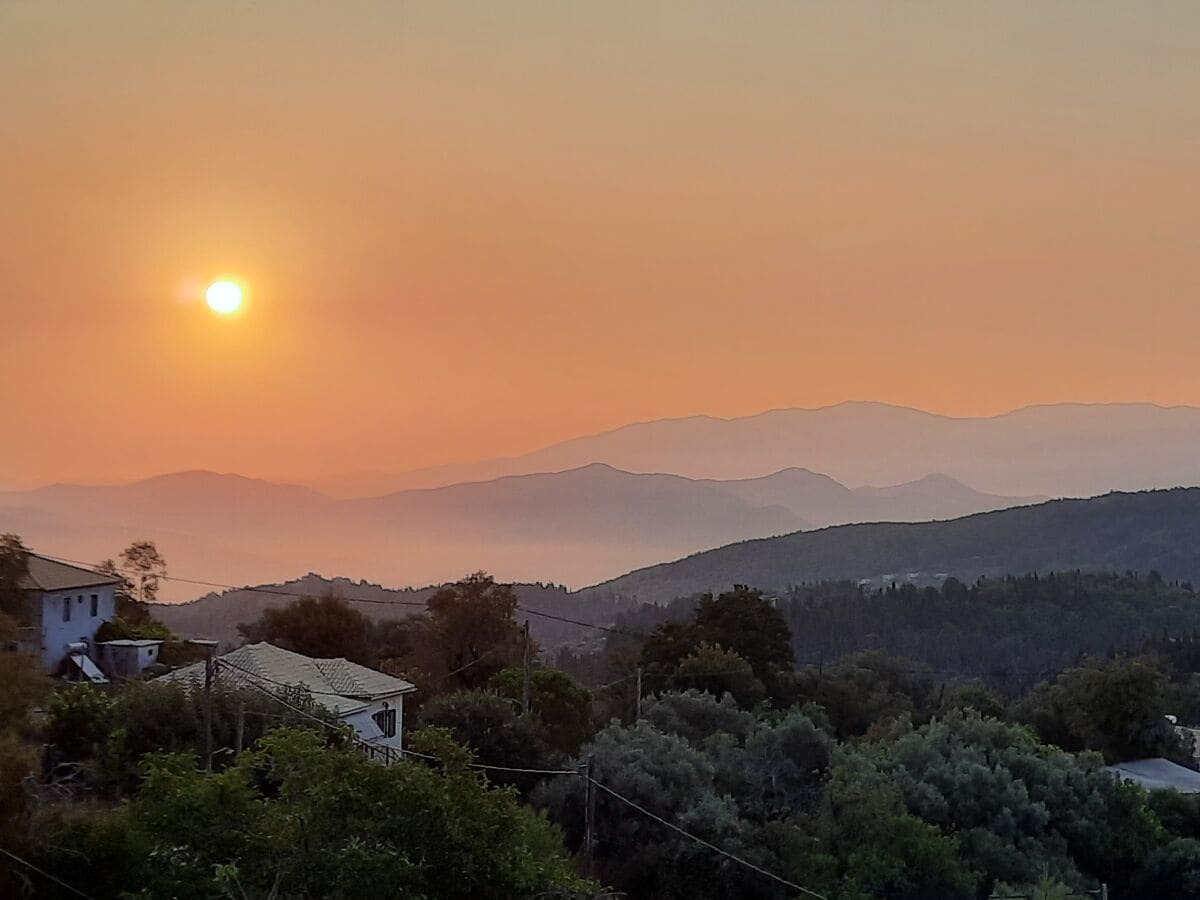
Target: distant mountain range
[
  {"x": 1117, "y": 532},
  {"x": 1145, "y": 531},
  {"x": 573, "y": 527},
  {"x": 1059, "y": 450}
]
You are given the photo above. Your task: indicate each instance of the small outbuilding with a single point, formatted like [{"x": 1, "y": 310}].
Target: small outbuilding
[{"x": 127, "y": 657}]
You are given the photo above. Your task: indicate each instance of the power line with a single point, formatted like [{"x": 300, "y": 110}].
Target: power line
[
  {"x": 466, "y": 666},
  {"x": 218, "y": 662},
  {"x": 533, "y": 771},
  {"x": 1010, "y": 673},
  {"x": 45, "y": 874},
  {"x": 307, "y": 690},
  {"x": 703, "y": 842},
  {"x": 378, "y": 602}
]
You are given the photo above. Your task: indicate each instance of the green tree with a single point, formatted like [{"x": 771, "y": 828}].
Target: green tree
[
  {"x": 1047, "y": 888},
  {"x": 491, "y": 728},
  {"x": 866, "y": 689},
  {"x": 1171, "y": 871},
  {"x": 146, "y": 567},
  {"x": 717, "y": 671},
  {"x": 23, "y": 687},
  {"x": 325, "y": 627},
  {"x": 14, "y": 564},
  {"x": 1118, "y": 708},
  {"x": 743, "y": 621},
  {"x": 300, "y": 819},
  {"x": 719, "y": 772},
  {"x": 1015, "y": 804},
  {"x": 562, "y": 705},
  {"x": 983, "y": 700},
  {"x": 109, "y": 731},
  {"x": 469, "y": 634}
]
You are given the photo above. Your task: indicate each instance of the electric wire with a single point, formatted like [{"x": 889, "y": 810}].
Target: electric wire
[
  {"x": 950, "y": 673},
  {"x": 703, "y": 842},
  {"x": 45, "y": 874},
  {"x": 378, "y": 602}
]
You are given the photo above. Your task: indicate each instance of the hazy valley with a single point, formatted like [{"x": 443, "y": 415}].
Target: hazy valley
[{"x": 574, "y": 527}]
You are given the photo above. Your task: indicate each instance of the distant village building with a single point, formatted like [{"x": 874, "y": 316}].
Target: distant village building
[
  {"x": 369, "y": 701},
  {"x": 65, "y": 605}
]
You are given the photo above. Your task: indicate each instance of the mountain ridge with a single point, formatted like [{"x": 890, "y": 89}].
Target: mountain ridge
[
  {"x": 573, "y": 527},
  {"x": 1116, "y": 531},
  {"x": 1060, "y": 449}
]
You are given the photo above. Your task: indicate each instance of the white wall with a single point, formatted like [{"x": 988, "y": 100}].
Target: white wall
[
  {"x": 58, "y": 635},
  {"x": 369, "y": 732},
  {"x": 124, "y": 661}
]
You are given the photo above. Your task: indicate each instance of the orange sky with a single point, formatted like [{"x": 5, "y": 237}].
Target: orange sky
[{"x": 474, "y": 228}]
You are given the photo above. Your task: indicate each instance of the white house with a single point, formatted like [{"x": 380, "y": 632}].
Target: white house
[
  {"x": 65, "y": 605},
  {"x": 367, "y": 700}
]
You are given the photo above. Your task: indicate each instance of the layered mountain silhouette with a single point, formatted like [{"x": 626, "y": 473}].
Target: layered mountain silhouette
[
  {"x": 1057, "y": 450},
  {"x": 574, "y": 527}
]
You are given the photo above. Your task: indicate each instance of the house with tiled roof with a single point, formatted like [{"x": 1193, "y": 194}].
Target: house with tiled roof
[
  {"x": 369, "y": 701},
  {"x": 65, "y": 605}
]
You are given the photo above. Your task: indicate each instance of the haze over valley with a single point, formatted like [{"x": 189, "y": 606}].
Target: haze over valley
[
  {"x": 573, "y": 527},
  {"x": 597, "y": 507}
]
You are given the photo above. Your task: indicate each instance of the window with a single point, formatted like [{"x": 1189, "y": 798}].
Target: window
[
  {"x": 386, "y": 720},
  {"x": 66, "y": 609},
  {"x": 95, "y": 605}
]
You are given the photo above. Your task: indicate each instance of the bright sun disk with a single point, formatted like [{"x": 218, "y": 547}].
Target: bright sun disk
[{"x": 223, "y": 297}]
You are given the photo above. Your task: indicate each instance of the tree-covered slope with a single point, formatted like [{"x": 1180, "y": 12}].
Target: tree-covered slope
[{"x": 1157, "y": 530}]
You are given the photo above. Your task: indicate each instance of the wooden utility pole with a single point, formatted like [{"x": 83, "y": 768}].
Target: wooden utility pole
[
  {"x": 637, "y": 703},
  {"x": 240, "y": 732},
  {"x": 525, "y": 685},
  {"x": 589, "y": 815}
]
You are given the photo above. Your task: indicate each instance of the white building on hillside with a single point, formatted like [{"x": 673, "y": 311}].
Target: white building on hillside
[
  {"x": 64, "y": 607},
  {"x": 367, "y": 700}
]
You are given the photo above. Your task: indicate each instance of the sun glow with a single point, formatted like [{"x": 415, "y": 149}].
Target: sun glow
[{"x": 224, "y": 297}]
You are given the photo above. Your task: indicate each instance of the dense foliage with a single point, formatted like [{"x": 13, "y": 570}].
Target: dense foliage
[
  {"x": 299, "y": 819},
  {"x": 734, "y": 774},
  {"x": 99, "y": 737},
  {"x": 1010, "y": 631},
  {"x": 941, "y": 811}
]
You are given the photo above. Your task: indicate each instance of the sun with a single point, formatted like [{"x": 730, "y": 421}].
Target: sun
[{"x": 224, "y": 297}]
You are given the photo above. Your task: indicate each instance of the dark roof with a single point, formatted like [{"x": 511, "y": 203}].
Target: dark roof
[{"x": 50, "y": 575}]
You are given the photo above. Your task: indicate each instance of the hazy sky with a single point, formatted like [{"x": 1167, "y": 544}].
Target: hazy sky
[{"x": 470, "y": 229}]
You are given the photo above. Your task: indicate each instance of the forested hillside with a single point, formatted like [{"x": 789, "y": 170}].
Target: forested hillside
[
  {"x": 1116, "y": 532},
  {"x": 1008, "y": 631}
]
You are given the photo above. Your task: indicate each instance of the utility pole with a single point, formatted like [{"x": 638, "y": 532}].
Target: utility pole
[
  {"x": 637, "y": 703},
  {"x": 209, "y": 672},
  {"x": 589, "y": 815},
  {"x": 240, "y": 732},
  {"x": 525, "y": 685}
]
